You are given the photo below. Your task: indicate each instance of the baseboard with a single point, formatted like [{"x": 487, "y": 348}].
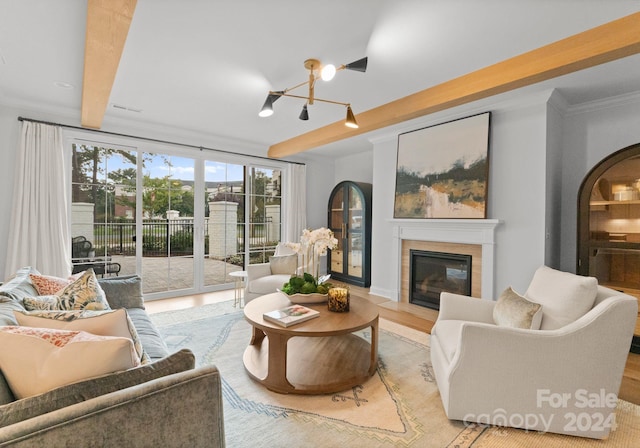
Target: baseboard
[{"x": 386, "y": 293}]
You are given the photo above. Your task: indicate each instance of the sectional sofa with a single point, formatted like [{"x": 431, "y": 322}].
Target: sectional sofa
[{"x": 167, "y": 402}]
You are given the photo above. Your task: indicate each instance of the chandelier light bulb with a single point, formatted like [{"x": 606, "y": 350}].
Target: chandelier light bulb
[{"x": 328, "y": 72}]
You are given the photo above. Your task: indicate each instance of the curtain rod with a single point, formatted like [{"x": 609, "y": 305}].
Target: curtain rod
[{"x": 155, "y": 140}]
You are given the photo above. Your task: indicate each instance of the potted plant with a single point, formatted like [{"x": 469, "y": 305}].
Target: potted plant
[{"x": 310, "y": 287}]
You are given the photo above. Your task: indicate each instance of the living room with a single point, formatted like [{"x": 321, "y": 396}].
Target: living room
[{"x": 544, "y": 138}]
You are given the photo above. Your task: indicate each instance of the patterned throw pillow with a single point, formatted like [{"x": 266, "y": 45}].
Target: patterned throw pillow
[
  {"x": 83, "y": 294},
  {"x": 48, "y": 284},
  {"x": 102, "y": 323},
  {"x": 59, "y": 357},
  {"x": 48, "y": 302}
]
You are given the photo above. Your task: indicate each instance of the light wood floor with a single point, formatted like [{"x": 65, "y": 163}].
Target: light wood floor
[{"x": 415, "y": 317}]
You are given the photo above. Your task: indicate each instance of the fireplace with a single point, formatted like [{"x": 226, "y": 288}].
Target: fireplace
[
  {"x": 434, "y": 272},
  {"x": 474, "y": 237}
]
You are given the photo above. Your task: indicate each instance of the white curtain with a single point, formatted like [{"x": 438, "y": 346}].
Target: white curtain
[
  {"x": 295, "y": 219},
  {"x": 39, "y": 234}
]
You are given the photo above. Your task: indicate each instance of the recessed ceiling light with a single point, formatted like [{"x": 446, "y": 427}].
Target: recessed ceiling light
[{"x": 63, "y": 85}]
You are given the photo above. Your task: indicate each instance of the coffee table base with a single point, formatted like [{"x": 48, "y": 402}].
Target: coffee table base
[{"x": 311, "y": 365}]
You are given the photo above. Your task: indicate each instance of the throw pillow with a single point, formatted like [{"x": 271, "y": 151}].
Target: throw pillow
[
  {"x": 283, "y": 264},
  {"x": 36, "y": 360},
  {"x": 102, "y": 323},
  {"x": 18, "y": 287},
  {"x": 564, "y": 297},
  {"x": 513, "y": 310},
  {"x": 84, "y": 293},
  {"x": 48, "y": 302},
  {"x": 84, "y": 390},
  {"x": 48, "y": 284},
  {"x": 123, "y": 291}
]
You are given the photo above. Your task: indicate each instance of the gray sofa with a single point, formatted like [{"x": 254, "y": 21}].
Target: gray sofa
[{"x": 167, "y": 403}]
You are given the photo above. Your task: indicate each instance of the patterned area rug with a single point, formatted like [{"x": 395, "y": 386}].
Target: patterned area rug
[{"x": 398, "y": 406}]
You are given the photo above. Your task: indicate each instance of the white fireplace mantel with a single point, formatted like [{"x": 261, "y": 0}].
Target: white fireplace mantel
[{"x": 463, "y": 231}]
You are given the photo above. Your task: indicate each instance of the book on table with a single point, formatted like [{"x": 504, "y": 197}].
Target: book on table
[{"x": 290, "y": 315}]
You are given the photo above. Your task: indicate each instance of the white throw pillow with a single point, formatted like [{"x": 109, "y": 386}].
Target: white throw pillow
[
  {"x": 564, "y": 297},
  {"x": 283, "y": 264},
  {"x": 514, "y": 311},
  {"x": 102, "y": 323},
  {"x": 36, "y": 360}
]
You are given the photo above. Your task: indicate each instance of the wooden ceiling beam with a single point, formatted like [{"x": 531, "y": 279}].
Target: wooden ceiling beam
[
  {"x": 614, "y": 40},
  {"x": 108, "y": 24}
]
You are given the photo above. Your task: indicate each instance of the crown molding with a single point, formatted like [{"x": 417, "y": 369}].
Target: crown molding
[{"x": 604, "y": 103}]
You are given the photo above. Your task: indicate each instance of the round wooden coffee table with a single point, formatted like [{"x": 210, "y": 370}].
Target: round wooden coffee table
[{"x": 319, "y": 356}]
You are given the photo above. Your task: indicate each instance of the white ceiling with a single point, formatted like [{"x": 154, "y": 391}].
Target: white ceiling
[{"x": 207, "y": 65}]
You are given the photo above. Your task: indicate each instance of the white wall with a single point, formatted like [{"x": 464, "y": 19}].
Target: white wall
[
  {"x": 553, "y": 207},
  {"x": 355, "y": 167},
  {"x": 320, "y": 174},
  {"x": 592, "y": 132},
  {"x": 384, "y": 275},
  {"x": 517, "y": 191}
]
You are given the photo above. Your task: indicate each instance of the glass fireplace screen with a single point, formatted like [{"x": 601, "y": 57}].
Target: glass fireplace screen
[{"x": 435, "y": 272}]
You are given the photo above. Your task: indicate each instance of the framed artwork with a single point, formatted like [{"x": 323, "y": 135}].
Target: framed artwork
[{"x": 442, "y": 171}]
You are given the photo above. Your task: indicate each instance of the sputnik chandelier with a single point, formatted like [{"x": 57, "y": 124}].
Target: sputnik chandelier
[{"x": 316, "y": 71}]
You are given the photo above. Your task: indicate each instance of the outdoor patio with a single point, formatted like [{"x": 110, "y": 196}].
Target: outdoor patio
[{"x": 160, "y": 274}]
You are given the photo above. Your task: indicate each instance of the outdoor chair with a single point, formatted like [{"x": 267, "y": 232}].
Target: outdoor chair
[{"x": 83, "y": 257}]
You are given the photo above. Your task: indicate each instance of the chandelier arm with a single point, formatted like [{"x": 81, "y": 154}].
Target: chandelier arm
[
  {"x": 316, "y": 99},
  {"x": 296, "y": 86},
  {"x": 342, "y": 67}
]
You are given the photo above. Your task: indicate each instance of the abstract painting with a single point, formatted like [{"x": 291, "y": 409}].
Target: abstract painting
[{"x": 442, "y": 171}]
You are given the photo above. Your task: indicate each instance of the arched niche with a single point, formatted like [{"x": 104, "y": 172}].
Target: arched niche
[{"x": 609, "y": 224}]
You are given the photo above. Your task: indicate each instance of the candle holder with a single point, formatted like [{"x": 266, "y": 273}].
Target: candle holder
[{"x": 338, "y": 300}]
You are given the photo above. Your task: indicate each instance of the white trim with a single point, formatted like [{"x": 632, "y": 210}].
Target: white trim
[{"x": 605, "y": 103}]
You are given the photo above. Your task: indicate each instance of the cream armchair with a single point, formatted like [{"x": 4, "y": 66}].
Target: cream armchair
[
  {"x": 265, "y": 278},
  {"x": 563, "y": 380}
]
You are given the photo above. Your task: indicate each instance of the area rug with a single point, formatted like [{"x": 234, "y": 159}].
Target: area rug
[{"x": 398, "y": 406}]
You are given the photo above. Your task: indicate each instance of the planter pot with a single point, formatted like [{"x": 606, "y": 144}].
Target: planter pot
[{"x": 305, "y": 298}]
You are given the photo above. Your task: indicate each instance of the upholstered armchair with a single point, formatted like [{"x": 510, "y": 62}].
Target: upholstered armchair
[
  {"x": 265, "y": 278},
  {"x": 563, "y": 377}
]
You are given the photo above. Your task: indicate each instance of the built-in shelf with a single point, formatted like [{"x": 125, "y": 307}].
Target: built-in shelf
[{"x": 634, "y": 202}]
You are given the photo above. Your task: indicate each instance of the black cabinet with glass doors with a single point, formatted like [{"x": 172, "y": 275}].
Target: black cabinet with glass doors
[{"x": 350, "y": 221}]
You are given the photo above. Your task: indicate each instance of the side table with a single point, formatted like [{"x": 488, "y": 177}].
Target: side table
[{"x": 239, "y": 278}]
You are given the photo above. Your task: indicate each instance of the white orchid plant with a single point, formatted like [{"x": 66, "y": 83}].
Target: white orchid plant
[{"x": 314, "y": 244}]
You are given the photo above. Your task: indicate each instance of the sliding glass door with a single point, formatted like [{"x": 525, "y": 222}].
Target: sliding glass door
[
  {"x": 265, "y": 210},
  {"x": 182, "y": 222},
  {"x": 167, "y": 223},
  {"x": 103, "y": 208},
  {"x": 224, "y": 228}
]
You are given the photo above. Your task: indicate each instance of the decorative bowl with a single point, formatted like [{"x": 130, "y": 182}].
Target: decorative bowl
[{"x": 300, "y": 299}]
